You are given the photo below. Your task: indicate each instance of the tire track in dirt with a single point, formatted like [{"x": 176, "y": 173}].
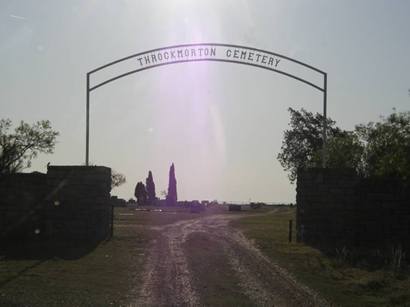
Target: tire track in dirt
[
  {"x": 168, "y": 281},
  {"x": 166, "y": 278}
]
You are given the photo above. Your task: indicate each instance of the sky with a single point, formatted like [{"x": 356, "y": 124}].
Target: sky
[{"x": 221, "y": 124}]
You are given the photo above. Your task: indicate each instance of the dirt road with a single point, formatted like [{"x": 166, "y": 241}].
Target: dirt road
[{"x": 203, "y": 262}]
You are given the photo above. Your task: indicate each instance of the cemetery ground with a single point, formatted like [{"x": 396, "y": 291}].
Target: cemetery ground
[{"x": 213, "y": 258}]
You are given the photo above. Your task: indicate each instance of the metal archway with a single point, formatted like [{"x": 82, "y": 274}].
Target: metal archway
[{"x": 211, "y": 52}]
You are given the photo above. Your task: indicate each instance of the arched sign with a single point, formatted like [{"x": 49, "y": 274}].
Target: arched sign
[{"x": 208, "y": 52}]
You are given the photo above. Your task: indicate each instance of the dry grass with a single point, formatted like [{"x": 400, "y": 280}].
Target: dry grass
[
  {"x": 336, "y": 280},
  {"x": 106, "y": 276}
]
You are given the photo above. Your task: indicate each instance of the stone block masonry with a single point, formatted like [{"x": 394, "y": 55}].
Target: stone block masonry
[
  {"x": 337, "y": 208},
  {"x": 67, "y": 203}
]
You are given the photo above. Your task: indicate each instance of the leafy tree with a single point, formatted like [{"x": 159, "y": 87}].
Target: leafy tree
[
  {"x": 387, "y": 146},
  {"x": 131, "y": 201},
  {"x": 19, "y": 148},
  {"x": 117, "y": 179},
  {"x": 302, "y": 144},
  {"x": 149, "y": 182},
  {"x": 140, "y": 193},
  {"x": 345, "y": 151},
  {"x": 380, "y": 149},
  {"x": 172, "y": 187}
]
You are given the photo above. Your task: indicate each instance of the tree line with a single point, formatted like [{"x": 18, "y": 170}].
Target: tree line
[
  {"x": 146, "y": 194},
  {"x": 375, "y": 149},
  {"x": 20, "y": 146}
]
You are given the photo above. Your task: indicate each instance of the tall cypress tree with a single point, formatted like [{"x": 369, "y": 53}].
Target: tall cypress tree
[
  {"x": 172, "y": 187},
  {"x": 140, "y": 193},
  {"x": 150, "y": 185}
]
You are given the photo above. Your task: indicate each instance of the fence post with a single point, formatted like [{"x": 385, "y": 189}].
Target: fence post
[
  {"x": 112, "y": 221},
  {"x": 290, "y": 230}
]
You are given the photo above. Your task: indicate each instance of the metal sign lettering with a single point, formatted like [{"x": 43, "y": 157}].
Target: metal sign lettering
[
  {"x": 196, "y": 53},
  {"x": 211, "y": 52}
]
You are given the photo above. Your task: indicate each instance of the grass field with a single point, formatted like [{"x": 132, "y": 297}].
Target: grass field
[
  {"x": 106, "y": 276},
  {"x": 335, "y": 280},
  {"x": 109, "y": 274}
]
